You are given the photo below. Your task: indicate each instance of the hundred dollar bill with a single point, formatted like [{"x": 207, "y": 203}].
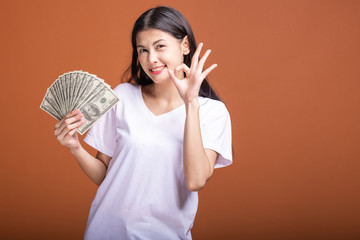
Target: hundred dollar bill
[{"x": 96, "y": 107}]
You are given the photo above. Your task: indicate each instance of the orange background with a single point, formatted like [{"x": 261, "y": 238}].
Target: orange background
[{"x": 288, "y": 72}]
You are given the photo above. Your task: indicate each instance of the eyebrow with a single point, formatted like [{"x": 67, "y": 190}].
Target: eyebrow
[{"x": 139, "y": 46}]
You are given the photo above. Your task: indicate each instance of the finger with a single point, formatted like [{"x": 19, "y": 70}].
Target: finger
[
  {"x": 68, "y": 121},
  {"x": 195, "y": 58},
  {"x": 171, "y": 73},
  {"x": 69, "y": 128},
  {"x": 70, "y": 135},
  {"x": 57, "y": 125},
  {"x": 70, "y": 114},
  {"x": 203, "y": 59},
  {"x": 173, "y": 77},
  {"x": 208, "y": 70},
  {"x": 183, "y": 67}
]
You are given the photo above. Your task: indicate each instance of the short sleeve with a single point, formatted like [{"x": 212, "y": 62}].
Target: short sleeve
[
  {"x": 216, "y": 133},
  {"x": 102, "y": 135}
]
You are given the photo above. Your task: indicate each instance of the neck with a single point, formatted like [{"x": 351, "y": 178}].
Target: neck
[{"x": 166, "y": 92}]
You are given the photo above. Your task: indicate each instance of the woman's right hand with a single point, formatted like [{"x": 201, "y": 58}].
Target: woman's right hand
[{"x": 65, "y": 130}]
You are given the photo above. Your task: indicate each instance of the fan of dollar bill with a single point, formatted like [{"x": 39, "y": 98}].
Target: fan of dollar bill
[{"x": 79, "y": 90}]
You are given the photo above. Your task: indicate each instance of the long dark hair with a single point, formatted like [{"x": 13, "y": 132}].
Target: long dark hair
[{"x": 173, "y": 22}]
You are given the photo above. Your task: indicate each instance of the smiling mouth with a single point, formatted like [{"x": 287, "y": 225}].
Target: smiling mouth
[{"x": 157, "y": 69}]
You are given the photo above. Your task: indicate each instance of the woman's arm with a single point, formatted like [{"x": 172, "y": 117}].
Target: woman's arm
[
  {"x": 94, "y": 167},
  {"x": 198, "y": 162},
  {"x": 65, "y": 132}
]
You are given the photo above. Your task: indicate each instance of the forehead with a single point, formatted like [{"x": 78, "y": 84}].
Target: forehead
[{"x": 149, "y": 36}]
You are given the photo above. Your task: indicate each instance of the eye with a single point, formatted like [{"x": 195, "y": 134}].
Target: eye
[
  {"x": 160, "y": 46},
  {"x": 142, "y": 50}
]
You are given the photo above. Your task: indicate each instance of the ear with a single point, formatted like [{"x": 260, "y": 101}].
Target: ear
[{"x": 185, "y": 45}]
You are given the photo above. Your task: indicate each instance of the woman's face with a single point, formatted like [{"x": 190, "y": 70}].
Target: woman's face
[{"x": 159, "y": 51}]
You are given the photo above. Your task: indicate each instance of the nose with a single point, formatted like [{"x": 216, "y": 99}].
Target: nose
[{"x": 152, "y": 56}]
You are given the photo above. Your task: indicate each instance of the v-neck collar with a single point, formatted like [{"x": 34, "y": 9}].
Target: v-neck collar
[{"x": 151, "y": 115}]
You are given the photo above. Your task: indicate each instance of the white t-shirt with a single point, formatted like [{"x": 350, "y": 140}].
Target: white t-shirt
[{"x": 144, "y": 195}]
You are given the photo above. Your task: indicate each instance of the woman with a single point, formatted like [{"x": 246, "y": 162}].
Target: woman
[{"x": 160, "y": 144}]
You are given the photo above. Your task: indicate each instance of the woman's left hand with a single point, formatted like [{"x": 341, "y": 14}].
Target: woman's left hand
[{"x": 189, "y": 87}]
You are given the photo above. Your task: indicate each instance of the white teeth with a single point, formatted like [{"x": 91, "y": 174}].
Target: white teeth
[{"x": 157, "y": 69}]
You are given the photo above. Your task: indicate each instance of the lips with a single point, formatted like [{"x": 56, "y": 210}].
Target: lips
[{"x": 157, "y": 70}]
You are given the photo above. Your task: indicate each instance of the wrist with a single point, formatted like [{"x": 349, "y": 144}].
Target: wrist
[
  {"x": 75, "y": 150},
  {"x": 193, "y": 104}
]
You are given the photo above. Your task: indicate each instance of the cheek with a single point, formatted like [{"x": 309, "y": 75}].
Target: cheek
[
  {"x": 140, "y": 60},
  {"x": 142, "y": 63},
  {"x": 175, "y": 59}
]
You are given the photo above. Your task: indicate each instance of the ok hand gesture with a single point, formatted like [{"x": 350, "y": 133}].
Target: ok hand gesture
[{"x": 189, "y": 87}]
